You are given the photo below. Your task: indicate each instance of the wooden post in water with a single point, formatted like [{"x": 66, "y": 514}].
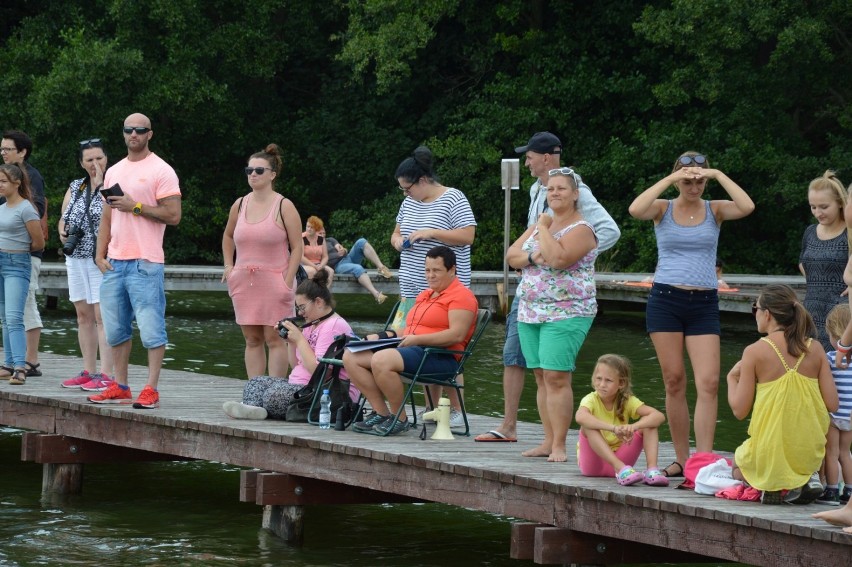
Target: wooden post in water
[
  {"x": 62, "y": 478},
  {"x": 287, "y": 522}
]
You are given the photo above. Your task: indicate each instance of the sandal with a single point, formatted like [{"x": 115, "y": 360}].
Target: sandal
[
  {"x": 653, "y": 477},
  {"x": 628, "y": 476},
  {"x": 384, "y": 272},
  {"x": 6, "y": 371},
  {"x": 32, "y": 369},
  {"x": 670, "y": 474},
  {"x": 19, "y": 378}
]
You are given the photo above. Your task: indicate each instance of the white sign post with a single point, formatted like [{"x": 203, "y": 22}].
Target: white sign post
[{"x": 510, "y": 180}]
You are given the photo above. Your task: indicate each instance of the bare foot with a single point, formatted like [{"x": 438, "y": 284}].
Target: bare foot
[
  {"x": 848, "y": 530},
  {"x": 540, "y": 451},
  {"x": 841, "y": 517},
  {"x": 557, "y": 457}
]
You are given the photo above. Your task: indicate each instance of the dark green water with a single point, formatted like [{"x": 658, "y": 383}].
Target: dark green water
[{"x": 188, "y": 513}]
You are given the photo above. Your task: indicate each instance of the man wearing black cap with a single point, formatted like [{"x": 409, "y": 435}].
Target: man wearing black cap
[{"x": 542, "y": 154}]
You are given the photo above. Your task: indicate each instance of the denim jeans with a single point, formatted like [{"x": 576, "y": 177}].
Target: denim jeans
[
  {"x": 351, "y": 263},
  {"x": 134, "y": 289},
  {"x": 14, "y": 284}
]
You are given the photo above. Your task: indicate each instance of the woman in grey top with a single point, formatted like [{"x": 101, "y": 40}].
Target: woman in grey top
[{"x": 20, "y": 233}]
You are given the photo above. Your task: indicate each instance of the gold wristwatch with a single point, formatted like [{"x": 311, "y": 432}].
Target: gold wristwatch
[{"x": 137, "y": 209}]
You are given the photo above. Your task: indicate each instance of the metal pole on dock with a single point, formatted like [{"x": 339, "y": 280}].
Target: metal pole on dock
[{"x": 510, "y": 177}]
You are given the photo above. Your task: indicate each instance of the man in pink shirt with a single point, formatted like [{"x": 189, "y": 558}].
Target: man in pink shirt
[{"x": 130, "y": 255}]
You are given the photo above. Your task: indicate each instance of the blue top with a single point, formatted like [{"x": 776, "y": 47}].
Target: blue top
[
  {"x": 843, "y": 382},
  {"x": 687, "y": 254}
]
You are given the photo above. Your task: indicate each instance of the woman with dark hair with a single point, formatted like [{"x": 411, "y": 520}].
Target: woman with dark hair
[
  {"x": 80, "y": 219},
  {"x": 785, "y": 381},
  {"x": 430, "y": 215},
  {"x": 269, "y": 396},
  {"x": 825, "y": 251},
  {"x": 264, "y": 236},
  {"x": 683, "y": 304},
  {"x": 20, "y": 234}
]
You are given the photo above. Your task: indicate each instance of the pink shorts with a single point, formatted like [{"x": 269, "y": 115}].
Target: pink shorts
[{"x": 592, "y": 465}]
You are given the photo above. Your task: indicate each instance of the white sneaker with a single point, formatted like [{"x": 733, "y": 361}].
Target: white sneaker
[
  {"x": 237, "y": 410},
  {"x": 456, "y": 419}
]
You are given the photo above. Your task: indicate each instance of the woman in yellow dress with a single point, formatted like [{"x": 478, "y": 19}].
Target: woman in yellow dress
[{"x": 786, "y": 380}]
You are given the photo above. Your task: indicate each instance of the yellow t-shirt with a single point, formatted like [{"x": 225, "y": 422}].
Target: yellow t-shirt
[{"x": 594, "y": 404}]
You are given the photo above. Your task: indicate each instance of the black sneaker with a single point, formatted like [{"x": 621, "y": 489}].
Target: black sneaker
[
  {"x": 370, "y": 422},
  {"x": 847, "y": 493},
  {"x": 385, "y": 428},
  {"x": 829, "y": 496}
]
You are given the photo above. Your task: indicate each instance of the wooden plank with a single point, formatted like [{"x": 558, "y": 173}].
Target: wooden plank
[
  {"x": 522, "y": 540},
  {"x": 292, "y": 490},
  {"x": 60, "y": 449}
]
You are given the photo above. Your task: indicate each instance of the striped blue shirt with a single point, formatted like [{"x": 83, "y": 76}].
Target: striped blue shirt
[
  {"x": 843, "y": 382},
  {"x": 449, "y": 211},
  {"x": 686, "y": 255}
]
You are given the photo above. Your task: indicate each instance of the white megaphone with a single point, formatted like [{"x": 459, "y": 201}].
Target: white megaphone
[{"x": 441, "y": 416}]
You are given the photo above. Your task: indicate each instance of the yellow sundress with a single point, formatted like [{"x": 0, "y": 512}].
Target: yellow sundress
[{"x": 789, "y": 422}]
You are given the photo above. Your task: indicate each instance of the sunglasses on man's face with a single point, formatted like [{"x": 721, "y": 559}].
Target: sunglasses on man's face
[
  {"x": 138, "y": 129},
  {"x": 692, "y": 160},
  {"x": 257, "y": 170}
]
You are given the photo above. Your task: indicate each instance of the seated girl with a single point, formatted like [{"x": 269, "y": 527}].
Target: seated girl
[
  {"x": 608, "y": 441},
  {"x": 785, "y": 377},
  {"x": 269, "y": 396}
]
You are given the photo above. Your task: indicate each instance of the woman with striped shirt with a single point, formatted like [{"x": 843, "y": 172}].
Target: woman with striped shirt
[{"x": 683, "y": 305}]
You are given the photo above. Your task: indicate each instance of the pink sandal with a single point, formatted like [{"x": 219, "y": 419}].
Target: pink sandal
[
  {"x": 653, "y": 477},
  {"x": 628, "y": 476}
]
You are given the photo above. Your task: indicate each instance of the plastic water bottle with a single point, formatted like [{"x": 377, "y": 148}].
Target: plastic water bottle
[{"x": 325, "y": 410}]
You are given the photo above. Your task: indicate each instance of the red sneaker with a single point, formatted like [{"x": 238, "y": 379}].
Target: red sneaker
[
  {"x": 115, "y": 394},
  {"x": 78, "y": 380},
  {"x": 148, "y": 399}
]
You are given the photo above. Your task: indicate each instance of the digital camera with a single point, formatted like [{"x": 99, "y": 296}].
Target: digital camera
[
  {"x": 283, "y": 331},
  {"x": 75, "y": 233}
]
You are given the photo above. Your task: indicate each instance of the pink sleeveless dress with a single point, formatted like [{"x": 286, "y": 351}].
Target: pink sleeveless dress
[{"x": 256, "y": 284}]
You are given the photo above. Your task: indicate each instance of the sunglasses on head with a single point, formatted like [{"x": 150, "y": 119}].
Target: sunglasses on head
[
  {"x": 138, "y": 129},
  {"x": 561, "y": 171},
  {"x": 692, "y": 160},
  {"x": 93, "y": 143},
  {"x": 257, "y": 170}
]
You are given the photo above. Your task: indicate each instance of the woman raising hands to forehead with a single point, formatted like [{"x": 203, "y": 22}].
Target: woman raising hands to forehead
[{"x": 683, "y": 305}]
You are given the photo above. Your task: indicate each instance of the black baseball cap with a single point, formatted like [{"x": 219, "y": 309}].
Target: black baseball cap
[{"x": 542, "y": 143}]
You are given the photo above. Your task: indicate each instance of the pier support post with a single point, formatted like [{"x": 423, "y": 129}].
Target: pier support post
[
  {"x": 63, "y": 479},
  {"x": 287, "y": 522}
]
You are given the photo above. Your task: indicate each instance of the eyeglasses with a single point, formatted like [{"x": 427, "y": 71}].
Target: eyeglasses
[
  {"x": 257, "y": 170},
  {"x": 692, "y": 160},
  {"x": 7, "y": 150},
  {"x": 300, "y": 309},
  {"x": 93, "y": 143},
  {"x": 401, "y": 188},
  {"x": 138, "y": 129},
  {"x": 755, "y": 308}
]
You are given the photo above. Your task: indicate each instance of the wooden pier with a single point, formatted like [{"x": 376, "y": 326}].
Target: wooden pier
[
  {"x": 562, "y": 516},
  {"x": 486, "y": 285}
]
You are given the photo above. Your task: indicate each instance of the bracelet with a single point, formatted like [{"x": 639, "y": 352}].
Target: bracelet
[
  {"x": 529, "y": 258},
  {"x": 842, "y": 348}
]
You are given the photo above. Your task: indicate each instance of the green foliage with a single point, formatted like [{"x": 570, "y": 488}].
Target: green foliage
[{"x": 349, "y": 89}]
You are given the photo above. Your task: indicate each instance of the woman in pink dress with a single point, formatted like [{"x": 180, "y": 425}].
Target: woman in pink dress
[{"x": 263, "y": 233}]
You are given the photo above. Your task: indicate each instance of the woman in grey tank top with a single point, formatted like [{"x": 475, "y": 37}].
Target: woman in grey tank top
[{"x": 683, "y": 306}]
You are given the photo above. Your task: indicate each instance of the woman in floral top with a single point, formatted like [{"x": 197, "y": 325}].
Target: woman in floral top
[{"x": 557, "y": 304}]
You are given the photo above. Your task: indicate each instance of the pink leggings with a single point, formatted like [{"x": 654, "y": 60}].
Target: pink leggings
[{"x": 592, "y": 465}]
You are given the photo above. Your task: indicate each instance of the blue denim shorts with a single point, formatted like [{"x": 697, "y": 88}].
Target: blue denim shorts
[
  {"x": 512, "y": 353},
  {"x": 435, "y": 364},
  {"x": 674, "y": 310},
  {"x": 134, "y": 289}
]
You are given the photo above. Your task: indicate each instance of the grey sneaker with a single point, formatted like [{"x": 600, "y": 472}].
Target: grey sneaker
[
  {"x": 829, "y": 496},
  {"x": 384, "y": 428},
  {"x": 810, "y": 491},
  {"x": 369, "y": 423},
  {"x": 456, "y": 419}
]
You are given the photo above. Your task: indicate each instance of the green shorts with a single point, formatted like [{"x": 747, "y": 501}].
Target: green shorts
[{"x": 554, "y": 345}]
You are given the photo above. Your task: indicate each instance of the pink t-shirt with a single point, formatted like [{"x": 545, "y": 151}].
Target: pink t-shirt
[{"x": 135, "y": 237}]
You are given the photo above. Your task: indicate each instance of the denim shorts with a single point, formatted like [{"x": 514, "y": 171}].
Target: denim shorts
[
  {"x": 554, "y": 345},
  {"x": 134, "y": 289},
  {"x": 689, "y": 311},
  {"x": 435, "y": 364},
  {"x": 512, "y": 353}
]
